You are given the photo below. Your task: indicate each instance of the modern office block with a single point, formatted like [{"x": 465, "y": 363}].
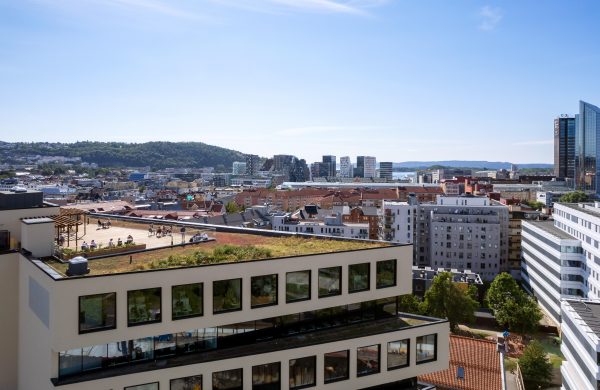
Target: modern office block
[
  {"x": 323, "y": 317},
  {"x": 587, "y": 137},
  {"x": 386, "y": 170},
  {"x": 564, "y": 147}
]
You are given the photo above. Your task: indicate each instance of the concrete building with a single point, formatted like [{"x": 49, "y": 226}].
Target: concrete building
[
  {"x": 386, "y": 170},
  {"x": 239, "y": 168},
  {"x": 564, "y": 147},
  {"x": 346, "y": 168},
  {"x": 463, "y": 232},
  {"x": 369, "y": 167},
  {"x": 580, "y": 344},
  {"x": 252, "y": 164},
  {"x": 325, "y": 316},
  {"x": 282, "y": 162},
  {"x": 552, "y": 266},
  {"x": 330, "y": 225}
]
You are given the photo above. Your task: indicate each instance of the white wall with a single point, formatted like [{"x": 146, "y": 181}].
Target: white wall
[{"x": 9, "y": 316}]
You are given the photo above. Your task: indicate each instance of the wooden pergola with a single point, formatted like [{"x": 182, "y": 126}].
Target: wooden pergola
[{"x": 68, "y": 222}]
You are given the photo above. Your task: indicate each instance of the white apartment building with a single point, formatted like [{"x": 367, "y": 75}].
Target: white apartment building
[
  {"x": 346, "y": 168},
  {"x": 580, "y": 344},
  {"x": 462, "y": 232},
  {"x": 552, "y": 265},
  {"x": 330, "y": 226},
  {"x": 324, "y": 316}
]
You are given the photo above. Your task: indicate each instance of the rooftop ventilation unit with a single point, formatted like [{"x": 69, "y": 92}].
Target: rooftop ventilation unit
[{"x": 78, "y": 266}]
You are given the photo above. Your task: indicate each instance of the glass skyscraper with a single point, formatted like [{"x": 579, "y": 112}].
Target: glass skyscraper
[
  {"x": 564, "y": 147},
  {"x": 587, "y": 147}
]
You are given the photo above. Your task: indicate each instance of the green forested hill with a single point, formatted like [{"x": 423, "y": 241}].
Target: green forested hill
[{"x": 157, "y": 155}]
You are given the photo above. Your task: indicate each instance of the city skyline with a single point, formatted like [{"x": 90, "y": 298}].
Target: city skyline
[{"x": 403, "y": 82}]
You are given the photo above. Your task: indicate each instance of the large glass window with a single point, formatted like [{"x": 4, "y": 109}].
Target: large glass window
[
  {"x": 227, "y": 380},
  {"x": 264, "y": 290},
  {"x": 426, "y": 348},
  {"x": 165, "y": 345},
  {"x": 142, "y": 349},
  {"x": 187, "y": 300},
  {"x": 97, "y": 312},
  {"x": 147, "y": 386},
  {"x": 117, "y": 353},
  {"x": 227, "y": 295},
  {"x": 297, "y": 286},
  {"x": 143, "y": 306},
  {"x": 187, "y": 383},
  {"x": 386, "y": 273},
  {"x": 303, "y": 372},
  {"x": 207, "y": 338},
  {"x": 330, "y": 281},
  {"x": 336, "y": 366},
  {"x": 358, "y": 277},
  {"x": 398, "y": 353},
  {"x": 367, "y": 360},
  {"x": 69, "y": 362},
  {"x": 266, "y": 376}
]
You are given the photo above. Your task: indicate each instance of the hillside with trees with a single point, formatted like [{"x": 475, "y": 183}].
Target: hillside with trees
[{"x": 157, "y": 155}]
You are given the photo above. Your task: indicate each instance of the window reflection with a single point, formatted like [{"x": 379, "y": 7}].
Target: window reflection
[
  {"x": 426, "y": 348},
  {"x": 398, "y": 353},
  {"x": 330, "y": 281},
  {"x": 386, "y": 273},
  {"x": 303, "y": 372},
  {"x": 367, "y": 360},
  {"x": 266, "y": 376},
  {"x": 143, "y": 306},
  {"x": 358, "y": 277},
  {"x": 97, "y": 312},
  {"x": 264, "y": 290},
  {"x": 187, "y": 383},
  {"x": 227, "y": 295},
  {"x": 336, "y": 366},
  {"x": 147, "y": 386},
  {"x": 227, "y": 380},
  {"x": 187, "y": 301},
  {"x": 297, "y": 287}
]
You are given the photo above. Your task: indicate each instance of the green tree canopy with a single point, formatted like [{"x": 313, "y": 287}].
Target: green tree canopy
[
  {"x": 512, "y": 307},
  {"x": 574, "y": 197},
  {"x": 535, "y": 366},
  {"x": 410, "y": 303},
  {"x": 450, "y": 300}
]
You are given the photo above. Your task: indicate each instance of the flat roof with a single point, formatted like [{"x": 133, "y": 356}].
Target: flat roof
[
  {"x": 575, "y": 206},
  {"x": 589, "y": 312},
  {"x": 224, "y": 246},
  {"x": 548, "y": 227}
]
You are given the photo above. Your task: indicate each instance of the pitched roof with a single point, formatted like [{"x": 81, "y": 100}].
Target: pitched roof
[{"x": 480, "y": 361}]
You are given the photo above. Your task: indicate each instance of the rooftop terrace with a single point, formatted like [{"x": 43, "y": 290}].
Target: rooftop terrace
[{"x": 223, "y": 247}]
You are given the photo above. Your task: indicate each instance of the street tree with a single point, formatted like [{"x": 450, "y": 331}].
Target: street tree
[
  {"x": 574, "y": 197},
  {"x": 512, "y": 307},
  {"x": 450, "y": 300},
  {"x": 535, "y": 366}
]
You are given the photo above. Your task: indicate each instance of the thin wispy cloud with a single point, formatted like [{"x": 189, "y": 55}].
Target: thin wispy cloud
[
  {"x": 352, "y": 7},
  {"x": 534, "y": 143},
  {"x": 327, "y": 129},
  {"x": 156, "y": 7},
  {"x": 489, "y": 17}
]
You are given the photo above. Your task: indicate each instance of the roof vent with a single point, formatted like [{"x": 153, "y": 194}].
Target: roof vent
[{"x": 78, "y": 266}]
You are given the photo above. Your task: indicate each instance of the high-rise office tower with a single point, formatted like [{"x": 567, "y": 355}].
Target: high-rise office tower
[
  {"x": 252, "y": 164},
  {"x": 564, "y": 147},
  {"x": 587, "y": 136},
  {"x": 369, "y": 167},
  {"x": 385, "y": 170},
  {"x": 330, "y": 163},
  {"x": 359, "y": 171},
  {"x": 346, "y": 169},
  {"x": 282, "y": 162}
]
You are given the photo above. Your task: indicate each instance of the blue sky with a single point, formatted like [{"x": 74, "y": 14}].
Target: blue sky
[{"x": 400, "y": 80}]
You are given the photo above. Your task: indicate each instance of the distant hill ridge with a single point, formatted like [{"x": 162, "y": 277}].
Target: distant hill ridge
[
  {"x": 157, "y": 155},
  {"x": 494, "y": 165}
]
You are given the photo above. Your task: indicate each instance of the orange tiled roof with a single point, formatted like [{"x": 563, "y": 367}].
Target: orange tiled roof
[{"x": 480, "y": 361}]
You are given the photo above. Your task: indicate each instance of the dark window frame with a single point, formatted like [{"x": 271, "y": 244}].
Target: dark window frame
[
  {"x": 378, "y": 361},
  {"x": 407, "y": 364},
  {"x": 340, "y": 281},
  {"x": 276, "y": 291},
  {"x": 184, "y": 377},
  {"x": 241, "y": 306},
  {"x": 129, "y": 324},
  {"x": 287, "y": 300},
  {"x": 173, "y": 318},
  {"x": 142, "y": 384},
  {"x": 97, "y": 329},
  {"x": 347, "y": 377},
  {"x": 278, "y": 363},
  {"x": 435, "y": 349},
  {"x": 368, "y": 288},
  {"x": 314, "y": 363},
  {"x": 212, "y": 378},
  {"x": 395, "y": 283}
]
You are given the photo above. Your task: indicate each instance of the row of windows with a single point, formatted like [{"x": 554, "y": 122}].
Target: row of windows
[
  {"x": 98, "y": 312},
  {"x": 302, "y": 371}
]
